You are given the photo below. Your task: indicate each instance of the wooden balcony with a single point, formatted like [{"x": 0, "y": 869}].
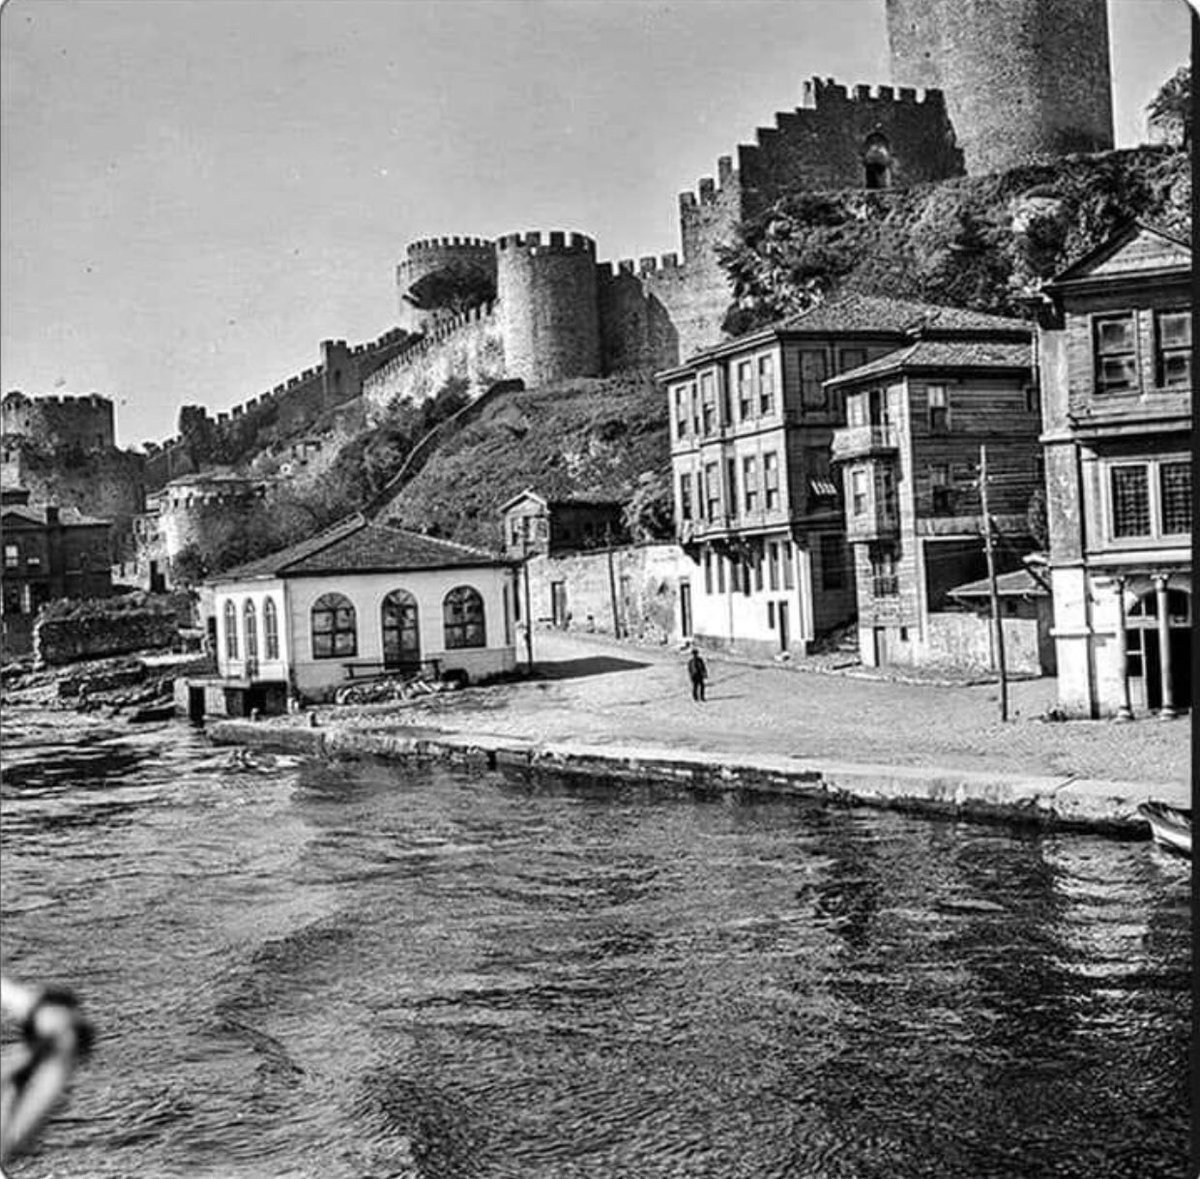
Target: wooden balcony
[{"x": 851, "y": 442}]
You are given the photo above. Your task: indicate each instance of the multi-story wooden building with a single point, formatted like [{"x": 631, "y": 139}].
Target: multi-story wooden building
[
  {"x": 756, "y": 505},
  {"x": 910, "y": 456},
  {"x": 1115, "y": 349},
  {"x": 49, "y": 553}
]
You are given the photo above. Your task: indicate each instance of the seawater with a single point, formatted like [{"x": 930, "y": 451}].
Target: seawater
[{"x": 360, "y": 970}]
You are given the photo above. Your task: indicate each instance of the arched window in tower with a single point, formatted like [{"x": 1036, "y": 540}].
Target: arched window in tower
[{"x": 877, "y": 162}]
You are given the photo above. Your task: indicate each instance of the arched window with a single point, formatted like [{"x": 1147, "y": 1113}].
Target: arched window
[
  {"x": 462, "y": 615},
  {"x": 401, "y": 637},
  {"x": 231, "y": 638},
  {"x": 270, "y": 629},
  {"x": 877, "y": 160},
  {"x": 333, "y": 631},
  {"x": 250, "y": 624}
]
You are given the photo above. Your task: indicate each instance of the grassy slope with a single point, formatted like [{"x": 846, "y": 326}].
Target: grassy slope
[{"x": 581, "y": 437}]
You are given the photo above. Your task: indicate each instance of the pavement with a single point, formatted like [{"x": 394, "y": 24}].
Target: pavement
[
  {"x": 598, "y": 691},
  {"x": 625, "y": 711}
]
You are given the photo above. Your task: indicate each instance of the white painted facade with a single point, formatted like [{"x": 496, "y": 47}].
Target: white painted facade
[{"x": 294, "y": 598}]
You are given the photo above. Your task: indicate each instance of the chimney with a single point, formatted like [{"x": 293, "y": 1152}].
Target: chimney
[{"x": 51, "y": 514}]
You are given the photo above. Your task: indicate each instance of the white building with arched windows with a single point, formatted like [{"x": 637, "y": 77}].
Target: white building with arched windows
[{"x": 362, "y": 598}]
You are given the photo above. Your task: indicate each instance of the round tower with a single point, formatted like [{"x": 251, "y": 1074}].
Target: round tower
[
  {"x": 464, "y": 254},
  {"x": 1023, "y": 79},
  {"x": 548, "y": 306}
]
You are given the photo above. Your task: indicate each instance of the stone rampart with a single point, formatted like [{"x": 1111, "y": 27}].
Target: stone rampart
[
  {"x": 60, "y": 422},
  {"x": 469, "y": 347}
]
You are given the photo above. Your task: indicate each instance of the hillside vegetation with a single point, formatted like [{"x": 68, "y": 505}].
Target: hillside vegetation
[
  {"x": 591, "y": 438},
  {"x": 981, "y": 242}
]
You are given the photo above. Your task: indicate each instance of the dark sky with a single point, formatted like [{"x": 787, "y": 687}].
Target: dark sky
[{"x": 196, "y": 192}]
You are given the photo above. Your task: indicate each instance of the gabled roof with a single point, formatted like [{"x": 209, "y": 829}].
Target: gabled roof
[
  {"x": 854, "y": 314},
  {"x": 36, "y": 515},
  {"x": 1020, "y": 583},
  {"x": 943, "y": 356},
  {"x": 578, "y": 501},
  {"x": 1137, "y": 250},
  {"x": 358, "y": 545}
]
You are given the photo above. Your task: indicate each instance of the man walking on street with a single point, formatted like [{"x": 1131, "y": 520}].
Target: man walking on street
[{"x": 697, "y": 673}]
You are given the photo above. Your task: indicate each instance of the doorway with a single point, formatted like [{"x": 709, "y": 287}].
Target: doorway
[
  {"x": 1144, "y": 649},
  {"x": 784, "y": 636},
  {"x": 685, "y": 609},
  {"x": 558, "y": 604}
]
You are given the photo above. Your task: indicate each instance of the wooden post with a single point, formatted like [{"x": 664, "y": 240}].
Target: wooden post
[
  {"x": 997, "y": 622},
  {"x": 528, "y": 605},
  {"x": 612, "y": 583}
]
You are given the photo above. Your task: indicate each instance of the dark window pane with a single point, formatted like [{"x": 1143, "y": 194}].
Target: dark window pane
[
  {"x": 1130, "y": 501},
  {"x": 1176, "y": 491}
]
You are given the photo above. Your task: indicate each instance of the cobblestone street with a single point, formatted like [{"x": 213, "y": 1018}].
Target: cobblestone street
[{"x": 603, "y": 692}]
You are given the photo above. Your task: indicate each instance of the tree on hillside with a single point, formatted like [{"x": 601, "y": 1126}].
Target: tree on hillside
[
  {"x": 1172, "y": 106},
  {"x": 650, "y": 513},
  {"x": 455, "y": 287}
]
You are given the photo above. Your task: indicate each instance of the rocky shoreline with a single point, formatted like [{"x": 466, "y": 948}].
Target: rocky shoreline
[{"x": 127, "y": 686}]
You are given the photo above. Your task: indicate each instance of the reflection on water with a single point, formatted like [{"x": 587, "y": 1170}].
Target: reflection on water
[{"x": 318, "y": 970}]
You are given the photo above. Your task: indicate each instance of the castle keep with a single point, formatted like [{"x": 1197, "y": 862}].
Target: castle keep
[{"x": 1023, "y": 79}]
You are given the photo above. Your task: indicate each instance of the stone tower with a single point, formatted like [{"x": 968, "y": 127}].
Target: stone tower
[
  {"x": 423, "y": 258},
  {"x": 548, "y": 305},
  {"x": 1023, "y": 79}
]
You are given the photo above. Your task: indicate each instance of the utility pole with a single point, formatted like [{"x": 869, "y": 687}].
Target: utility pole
[
  {"x": 997, "y": 623},
  {"x": 612, "y": 582},
  {"x": 528, "y": 596}
]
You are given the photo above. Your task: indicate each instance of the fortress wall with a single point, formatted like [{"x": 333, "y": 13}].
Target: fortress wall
[
  {"x": 1023, "y": 79},
  {"x": 548, "y": 306},
  {"x": 827, "y": 142},
  {"x": 60, "y": 421},
  {"x": 470, "y": 347},
  {"x": 424, "y": 257},
  {"x": 637, "y": 329}
]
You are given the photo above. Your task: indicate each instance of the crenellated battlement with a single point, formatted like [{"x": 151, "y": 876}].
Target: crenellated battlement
[
  {"x": 556, "y": 240},
  {"x": 440, "y": 244},
  {"x": 641, "y": 268},
  {"x": 60, "y": 419},
  {"x": 822, "y": 91},
  {"x": 710, "y": 191}
]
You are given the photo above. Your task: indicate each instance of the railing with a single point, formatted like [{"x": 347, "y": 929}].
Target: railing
[{"x": 861, "y": 441}]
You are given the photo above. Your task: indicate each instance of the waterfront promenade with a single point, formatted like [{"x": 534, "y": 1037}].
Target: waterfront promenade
[{"x": 613, "y": 706}]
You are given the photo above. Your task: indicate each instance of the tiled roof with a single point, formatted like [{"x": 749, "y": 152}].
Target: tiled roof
[
  {"x": 356, "y": 545},
  {"x": 37, "y": 515},
  {"x": 1019, "y": 583},
  {"x": 855, "y": 312},
  {"x": 948, "y": 354}
]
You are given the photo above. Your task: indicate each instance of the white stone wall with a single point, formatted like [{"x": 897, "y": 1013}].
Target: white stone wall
[{"x": 317, "y": 677}]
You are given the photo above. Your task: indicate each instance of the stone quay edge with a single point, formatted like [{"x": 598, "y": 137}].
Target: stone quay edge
[{"x": 1052, "y": 802}]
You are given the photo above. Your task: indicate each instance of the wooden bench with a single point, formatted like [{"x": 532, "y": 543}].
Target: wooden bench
[{"x": 375, "y": 669}]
